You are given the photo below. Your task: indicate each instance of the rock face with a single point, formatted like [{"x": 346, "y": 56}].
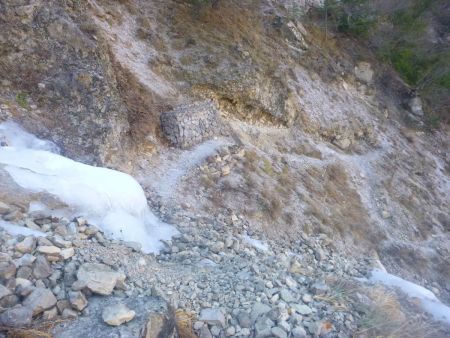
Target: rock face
[
  {"x": 61, "y": 69},
  {"x": 188, "y": 125},
  {"x": 99, "y": 278}
]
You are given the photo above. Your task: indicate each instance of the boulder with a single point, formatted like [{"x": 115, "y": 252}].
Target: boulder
[
  {"x": 42, "y": 268},
  {"x": 117, "y": 314},
  {"x": 212, "y": 317},
  {"x": 99, "y": 278},
  {"x": 40, "y": 300},
  {"x": 77, "y": 300},
  {"x": 364, "y": 72},
  {"x": 16, "y": 317},
  {"x": 27, "y": 245}
]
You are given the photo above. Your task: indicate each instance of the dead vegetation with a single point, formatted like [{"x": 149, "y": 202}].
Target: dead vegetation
[
  {"x": 40, "y": 330},
  {"x": 382, "y": 313}
]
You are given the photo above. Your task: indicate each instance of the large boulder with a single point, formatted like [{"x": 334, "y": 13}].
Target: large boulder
[
  {"x": 40, "y": 300},
  {"x": 99, "y": 278}
]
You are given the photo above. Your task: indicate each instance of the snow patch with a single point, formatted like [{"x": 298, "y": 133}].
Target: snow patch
[
  {"x": 256, "y": 243},
  {"x": 16, "y": 230},
  {"x": 112, "y": 200},
  {"x": 15, "y": 136},
  {"x": 429, "y": 302}
]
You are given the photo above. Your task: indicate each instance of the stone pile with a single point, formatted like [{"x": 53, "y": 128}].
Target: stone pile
[{"x": 190, "y": 124}]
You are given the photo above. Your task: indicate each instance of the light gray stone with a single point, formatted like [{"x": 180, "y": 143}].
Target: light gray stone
[
  {"x": 117, "y": 314},
  {"x": 212, "y": 317},
  {"x": 99, "y": 278},
  {"x": 77, "y": 300},
  {"x": 16, "y": 317},
  {"x": 40, "y": 300}
]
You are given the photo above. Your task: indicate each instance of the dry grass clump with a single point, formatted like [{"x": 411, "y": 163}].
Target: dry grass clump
[
  {"x": 382, "y": 314},
  {"x": 41, "y": 330},
  {"x": 385, "y": 317},
  {"x": 333, "y": 201},
  {"x": 184, "y": 322}
]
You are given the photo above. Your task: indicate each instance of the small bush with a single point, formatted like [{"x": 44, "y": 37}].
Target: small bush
[
  {"x": 409, "y": 64},
  {"x": 444, "y": 80},
  {"x": 22, "y": 100}
]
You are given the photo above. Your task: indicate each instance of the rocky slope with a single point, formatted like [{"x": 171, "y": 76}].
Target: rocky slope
[{"x": 313, "y": 152}]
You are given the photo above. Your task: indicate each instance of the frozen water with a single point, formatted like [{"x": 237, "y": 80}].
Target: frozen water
[
  {"x": 110, "y": 199},
  {"x": 256, "y": 243},
  {"x": 15, "y": 230},
  {"x": 430, "y": 303}
]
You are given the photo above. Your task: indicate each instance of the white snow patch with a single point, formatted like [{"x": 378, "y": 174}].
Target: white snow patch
[
  {"x": 17, "y": 137},
  {"x": 256, "y": 243},
  {"x": 16, "y": 230},
  {"x": 110, "y": 199},
  {"x": 430, "y": 303}
]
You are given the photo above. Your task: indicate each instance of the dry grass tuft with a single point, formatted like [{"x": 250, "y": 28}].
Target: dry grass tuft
[
  {"x": 42, "y": 330},
  {"x": 385, "y": 317},
  {"x": 184, "y": 322}
]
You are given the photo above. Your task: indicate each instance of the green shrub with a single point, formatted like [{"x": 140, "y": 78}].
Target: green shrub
[
  {"x": 410, "y": 65},
  {"x": 444, "y": 80},
  {"x": 21, "y": 99}
]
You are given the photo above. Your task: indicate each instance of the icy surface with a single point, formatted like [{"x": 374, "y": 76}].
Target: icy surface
[
  {"x": 15, "y": 230},
  {"x": 110, "y": 199},
  {"x": 256, "y": 243},
  {"x": 430, "y": 303},
  {"x": 15, "y": 136}
]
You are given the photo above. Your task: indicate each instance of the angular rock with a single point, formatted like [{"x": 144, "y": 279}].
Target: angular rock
[
  {"x": 205, "y": 333},
  {"x": 298, "y": 332},
  {"x": 24, "y": 272},
  {"x": 40, "y": 300},
  {"x": 26, "y": 260},
  {"x": 69, "y": 314},
  {"x": 50, "y": 314},
  {"x": 117, "y": 314},
  {"x": 77, "y": 300},
  {"x": 258, "y": 310},
  {"x": 99, "y": 278},
  {"x": 49, "y": 250},
  {"x": 4, "y": 208},
  {"x": 212, "y": 317},
  {"x": 302, "y": 309},
  {"x": 287, "y": 296},
  {"x": 7, "y": 270},
  {"x": 23, "y": 287},
  {"x": 319, "y": 288},
  {"x": 364, "y": 72},
  {"x": 67, "y": 253},
  {"x": 17, "y": 317},
  {"x": 42, "y": 268},
  {"x": 27, "y": 245},
  {"x": 244, "y": 319},
  {"x": 4, "y": 291},
  {"x": 159, "y": 325},
  {"x": 278, "y": 332}
]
